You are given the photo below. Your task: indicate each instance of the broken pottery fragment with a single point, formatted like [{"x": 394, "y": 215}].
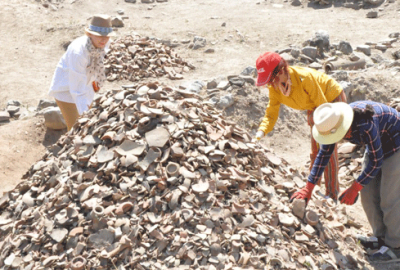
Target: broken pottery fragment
[
  {"x": 299, "y": 208},
  {"x": 312, "y": 217}
]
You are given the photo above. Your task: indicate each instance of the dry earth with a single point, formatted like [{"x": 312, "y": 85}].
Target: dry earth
[{"x": 33, "y": 34}]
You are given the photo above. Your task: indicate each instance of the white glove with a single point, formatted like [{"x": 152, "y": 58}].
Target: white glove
[{"x": 259, "y": 135}]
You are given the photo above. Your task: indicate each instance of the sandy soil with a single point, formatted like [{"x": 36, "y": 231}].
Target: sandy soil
[{"x": 33, "y": 33}]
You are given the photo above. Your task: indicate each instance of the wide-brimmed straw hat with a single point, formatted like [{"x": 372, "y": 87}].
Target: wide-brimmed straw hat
[
  {"x": 100, "y": 25},
  {"x": 265, "y": 64},
  {"x": 331, "y": 122}
]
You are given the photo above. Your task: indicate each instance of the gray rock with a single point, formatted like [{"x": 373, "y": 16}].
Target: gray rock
[
  {"x": 117, "y": 21},
  {"x": 223, "y": 85},
  {"x": 248, "y": 79},
  {"x": 310, "y": 52},
  {"x": 45, "y": 104},
  {"x": 295, "y": 52},
  {"x": 53, "y": 118},
  {"x": 287, "y": 50},
  {"x": 237, "y": 81},
  {"x": 288, "y": 57},
  {"x": 12, "y": 110},
  {"x": 393, "y": 64},
  {"x": 249, "y": 71},
  {"x": 345, "y": 47},
  {"x": 130, "y": 1},
  {"x": 321, "y": 40},
  {"x": 381, "y": 47},
  {"x": 147, "y": 1},
  {"x": 366, "y": 49},
  {"x": 396, "y": 54},
  {"x": 22, "y": 114},
  {"x": 212, "y": 84},
  {"x": 388, "y": 42},
  {"x": 226, "y": 101},
  {"x": 394, "y": 35},
  {"x": 305, "y": 59},
  {"x": 13, "y": 103},
  {"x": 354, "y": 57},
  {"x": 199, "y": 42},
  {"x": 372, "y": 14},
  {"x": 377, "y": 58},
  {"x": 296, "y": 3},
  {"x": 4, "y": 116},
  {"x": 315, "y": 65}
]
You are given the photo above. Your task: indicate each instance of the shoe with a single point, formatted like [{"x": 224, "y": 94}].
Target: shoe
[
  {"x": 385, "y": 254},
  {"x": 370, "y": 242}
]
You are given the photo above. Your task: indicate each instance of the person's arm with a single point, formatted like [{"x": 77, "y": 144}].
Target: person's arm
[
  {"x": 78, "y": 86},
  {"x": 322, "y": 159},
  {"x": 271, "y": 114}
]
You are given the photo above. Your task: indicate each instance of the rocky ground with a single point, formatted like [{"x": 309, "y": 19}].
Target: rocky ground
[{"x": 219, "y": 39}]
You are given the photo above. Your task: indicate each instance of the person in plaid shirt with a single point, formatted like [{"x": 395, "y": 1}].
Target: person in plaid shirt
[{"x": 377, "y": 126}]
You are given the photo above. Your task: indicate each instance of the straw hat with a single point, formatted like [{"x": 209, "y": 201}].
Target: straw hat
[
  {"x": 100, "y": 25},
  {"x": 331, "y": 122}
]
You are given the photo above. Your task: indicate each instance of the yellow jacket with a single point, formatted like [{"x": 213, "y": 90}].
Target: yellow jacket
[{"x": 310, "y": 88}]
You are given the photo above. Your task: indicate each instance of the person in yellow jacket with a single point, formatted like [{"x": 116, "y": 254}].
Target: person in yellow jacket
[{"x": 300, "y": 88}]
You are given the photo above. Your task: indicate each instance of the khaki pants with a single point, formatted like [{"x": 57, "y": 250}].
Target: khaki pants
[
  {"x": 69, "y": 112},
  {"x": 381, "y": 201}
]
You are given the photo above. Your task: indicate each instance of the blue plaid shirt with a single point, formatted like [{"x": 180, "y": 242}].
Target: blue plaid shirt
[{"x": 381, "y": 136}]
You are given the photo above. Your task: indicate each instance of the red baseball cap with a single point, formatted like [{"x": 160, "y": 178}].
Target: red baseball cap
[{"x": 265, "y": 64}]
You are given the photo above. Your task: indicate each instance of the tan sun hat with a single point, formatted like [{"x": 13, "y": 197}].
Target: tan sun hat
[
  {"x": 100, "y": 25},
  {"x": 331, "y": 122}
]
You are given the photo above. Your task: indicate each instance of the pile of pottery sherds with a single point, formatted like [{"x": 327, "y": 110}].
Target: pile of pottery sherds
[
  {"x": 152, "y": 177},
  {"x": 134, "y": 58}
]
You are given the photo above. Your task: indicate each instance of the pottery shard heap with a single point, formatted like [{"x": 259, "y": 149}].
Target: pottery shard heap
[
  {"x": 133, "y": 58},
  {"x": 151, "y": 178}
]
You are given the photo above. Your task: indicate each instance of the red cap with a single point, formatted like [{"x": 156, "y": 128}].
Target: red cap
[{"x": 265, "y": 64}]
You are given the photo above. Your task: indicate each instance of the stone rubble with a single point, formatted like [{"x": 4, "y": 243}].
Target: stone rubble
[{"x": 153, "y": 177}]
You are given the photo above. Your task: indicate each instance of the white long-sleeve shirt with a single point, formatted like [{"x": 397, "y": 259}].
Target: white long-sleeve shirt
[{"x": 70, "y": 81}]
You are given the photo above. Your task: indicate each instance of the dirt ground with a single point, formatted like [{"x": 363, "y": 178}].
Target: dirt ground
[{"x": 33, "y": 32}]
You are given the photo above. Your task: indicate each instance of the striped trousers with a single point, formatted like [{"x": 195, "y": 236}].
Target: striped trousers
[{"x": 332, "y": 169}]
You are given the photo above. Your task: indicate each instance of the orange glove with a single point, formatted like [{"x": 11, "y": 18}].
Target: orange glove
[
  {"x": 350, "y": 195},
  {"x": 96, "y": 87},
  {"x": 304, "y": 193}
]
